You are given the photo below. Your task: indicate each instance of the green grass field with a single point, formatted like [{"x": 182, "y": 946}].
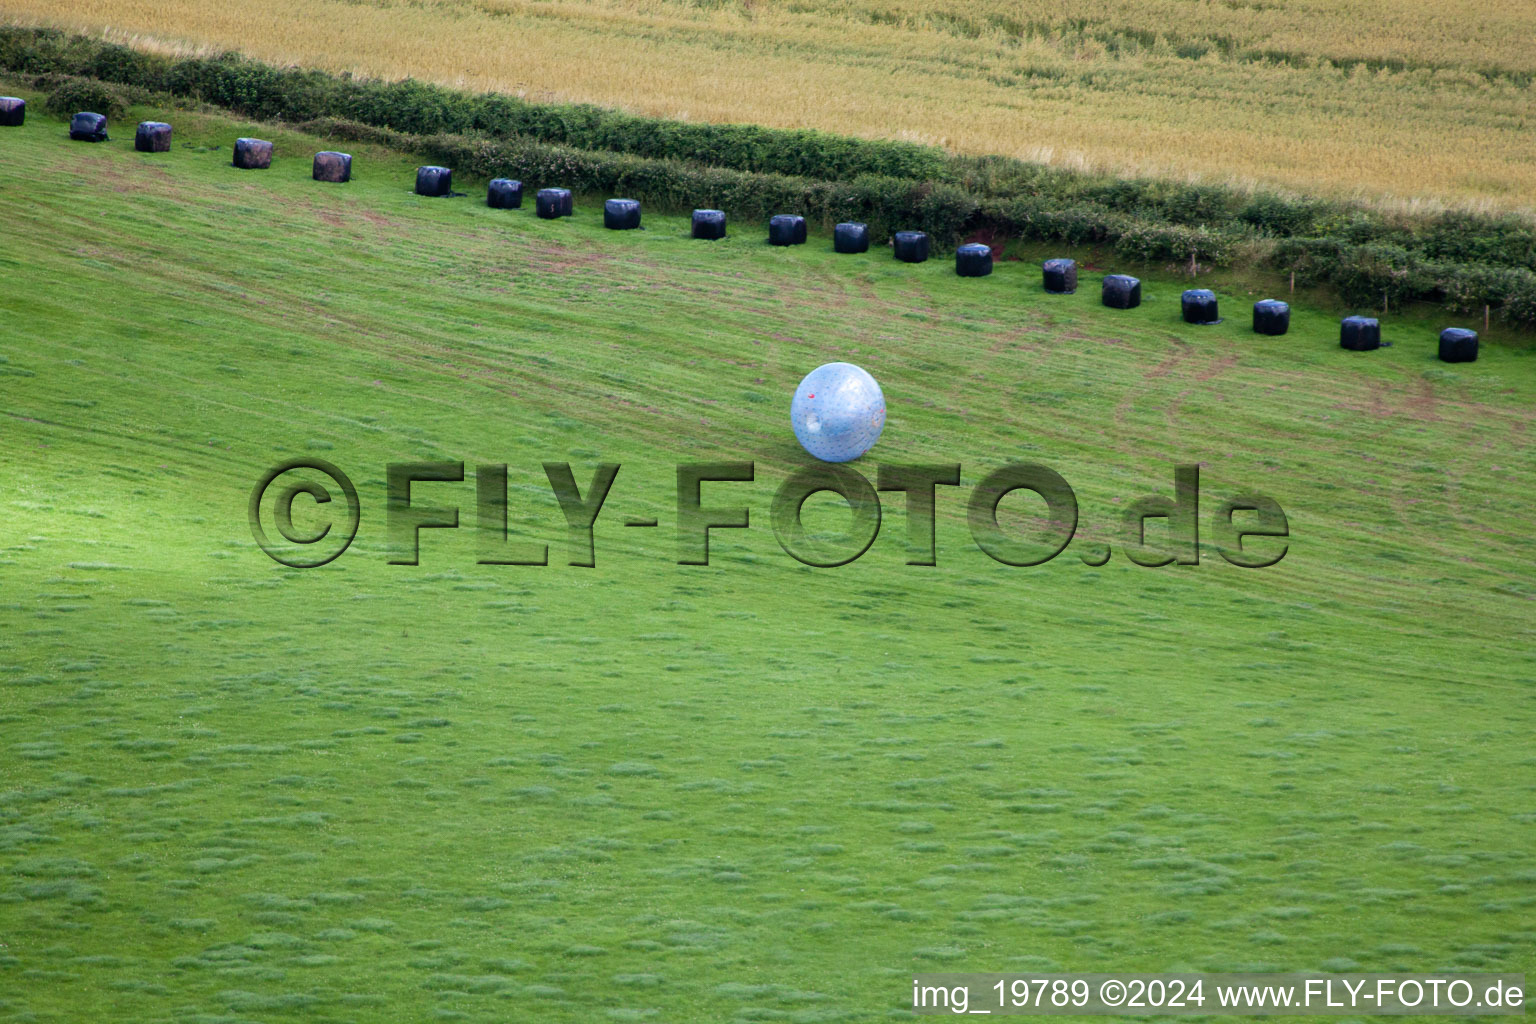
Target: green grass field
[{"x": 753, "y": 791}]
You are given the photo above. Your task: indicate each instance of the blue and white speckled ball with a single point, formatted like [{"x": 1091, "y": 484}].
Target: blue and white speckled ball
[{"x": 838, "y": 412}]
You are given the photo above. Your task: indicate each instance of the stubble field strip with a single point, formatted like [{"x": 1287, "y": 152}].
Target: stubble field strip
[
  {"x": 743, "y": 791},
  {"x": 1397, "y": 103}
]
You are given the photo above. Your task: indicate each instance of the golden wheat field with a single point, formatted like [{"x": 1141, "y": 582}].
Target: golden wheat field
[{"x": 1407, "y": 101}]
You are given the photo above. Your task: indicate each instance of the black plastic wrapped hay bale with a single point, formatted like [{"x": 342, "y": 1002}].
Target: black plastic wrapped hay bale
[
  {"x": 13, "y": 111},
  {"x": 786, "y": 229},
  {"x": 910, "y": 246},
  {"x": 621, "y": 214},
  {"x": 152, "y": 137},
  {"x": 973, "y": 260},
  {"x": 1272, "y": 317},
  {"x": 1360, "y": 333},
  {"x": 1121, "y": 291},
  {"x": 332, "y": 166},
  {"x": 550, "y": 203},
  {"x": 253, "y": 154},
  {"x": 434, "y": 181},
  {"x": 1199, "y": 305},
  {"x": 1060, "y": 276},
  {"x": 850, "y": 237},
  {"x": 504, "y": 194},
  {"x": 88, "y": 127},
  {"x": 709, "y": 224},
  {"x": 1458, "y": 345}
]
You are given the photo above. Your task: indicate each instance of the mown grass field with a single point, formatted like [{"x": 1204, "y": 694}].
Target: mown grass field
[
  {"x": 750, "y": 791},
  {"x": 1400, "y": 102}
]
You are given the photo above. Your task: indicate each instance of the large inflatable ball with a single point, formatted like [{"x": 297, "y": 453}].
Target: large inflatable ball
[{"x": 838, "y": 412}]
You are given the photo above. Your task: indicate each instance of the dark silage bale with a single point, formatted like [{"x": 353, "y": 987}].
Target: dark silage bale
[
  {"x": 1121, "y": 291},
  {"x": 152, "y": 137},
  {"x": 13, "y": 111},
  {"x": 88, "y": 127},
  {"x": 332, "y": 166},
  {"x": 709, "y": 224},
  {"x": 1199, "y": 305},
  {"x": 1272, "y": 317},
  {"x": 1458, "y": 345},
  {"x": 253, "y": 154},
  {"x": 434, "y": 181},
  {"x": 621, "y": 214},
  {"x": 850, "y": 237},
  {"x": 1060, "y": 276},
  {"x": 786, "y": 229},
  {"x": 504, "y": 194},
  {"x": 973, "y": 260},
  {"x": 567, "y": 203},
  {"x": 910, "y": 246},
  {"x": 550, "y": 203},
  {"x": 1360, "y": 333}
]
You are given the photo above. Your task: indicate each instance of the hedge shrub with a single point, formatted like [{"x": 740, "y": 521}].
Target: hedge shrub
[
  {"x": 1161, "y": 243},
  {"x": 68, "y": 95},
  {"x": 1373, "y": 276}
]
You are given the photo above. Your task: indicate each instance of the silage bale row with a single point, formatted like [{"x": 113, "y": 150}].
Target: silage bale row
[
  {"x": 1368, "y": 275},
  {"x": 885, "y": 204}
]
